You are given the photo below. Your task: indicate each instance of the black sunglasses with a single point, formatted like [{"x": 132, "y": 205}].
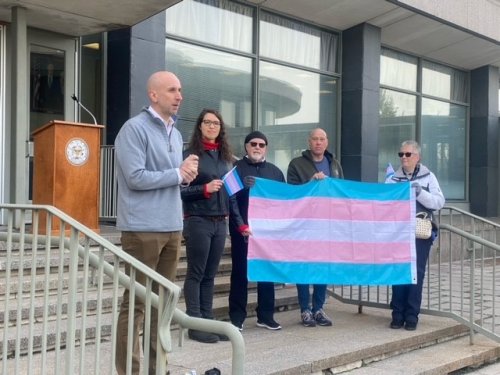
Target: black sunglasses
[
  {"x": 407, "y": 154},
  {"x": 255, "y": 144}
]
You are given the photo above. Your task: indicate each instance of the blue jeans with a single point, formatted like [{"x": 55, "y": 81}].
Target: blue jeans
[{"x": 318, "y": 297}]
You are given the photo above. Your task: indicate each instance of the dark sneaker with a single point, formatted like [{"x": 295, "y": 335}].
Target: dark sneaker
[
  {"x": 201, "y": 336},
  {"x": 322, "y": 319},
  {"x": 396, "y": 324},
  {"x": 308, "y": 319},
  {"x": 411, "y": 326},
  {"x": 269, "y": 324}
]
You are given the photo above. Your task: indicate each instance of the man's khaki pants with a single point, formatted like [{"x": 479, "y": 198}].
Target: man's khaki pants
[{"x": 159, "y": 251}]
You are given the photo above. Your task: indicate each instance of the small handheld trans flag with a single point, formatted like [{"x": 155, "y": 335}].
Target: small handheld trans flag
[
  {"x": 232, "y": 182},
  {"x": 389, "y": 171}
]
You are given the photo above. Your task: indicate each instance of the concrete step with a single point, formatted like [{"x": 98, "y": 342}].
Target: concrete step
[
  {"x": 52, "y": 262},
  {"x": 38, "y": 282},
  {"x": 39, "y": 303},
  {"x": 443, "y": 358}
]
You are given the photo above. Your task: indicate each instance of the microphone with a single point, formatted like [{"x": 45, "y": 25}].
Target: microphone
[{"x": 85, "y": 108}]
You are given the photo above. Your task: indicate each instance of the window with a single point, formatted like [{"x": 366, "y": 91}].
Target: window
[
  {"x": 291, "y": 103},
  {"x": 435, "y": 116},
  {"x": 444, "y": 82},
  {"x": 212, "y": 79},
  {"x": 285, "y": 86},
  {"x": 443, "y": 149},
  {"x": 398, "y": 118},
  {"x": 398, "y": 70},
  {"x": 217, "y": 22},
  {"x": 292, "y": 41}
]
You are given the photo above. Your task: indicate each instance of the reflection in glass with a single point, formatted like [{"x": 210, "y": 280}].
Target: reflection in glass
[
  {"x": 397, "y": 113},
  {"x": 221, "y": 23},
  {"x": 444, "y": 82},
  {"x": 212, "y": 79},
  {"x": 47, "y": 72},
  {"x": 291, "y": 103},
  {"x": 47, "y": 80},
  {"x": 443, "y": 145},
  {"x": 398, "y": 70},
  {"x": 294, "y": 42}
]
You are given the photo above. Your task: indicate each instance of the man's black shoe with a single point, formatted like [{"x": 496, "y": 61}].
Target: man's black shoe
[
  {"x": 410, "y": 326},
  {"x": 213, "y": 371},
  {"x": 222, "y": 337},
  {"x": 396, "y": 324},
  {"x": 201, "y": 336}
]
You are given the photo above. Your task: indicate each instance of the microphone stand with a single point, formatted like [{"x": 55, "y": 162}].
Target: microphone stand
[{"x": 85, "y": 108}]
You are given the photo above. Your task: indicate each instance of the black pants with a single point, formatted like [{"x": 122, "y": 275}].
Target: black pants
[
  {"x": 406, "y": 299},
  {"x": 238, "y": 294},
  {"x": 205, "y": 241}
]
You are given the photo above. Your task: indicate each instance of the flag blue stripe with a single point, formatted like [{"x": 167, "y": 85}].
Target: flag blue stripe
[
  {"x": 331, "y": 188},
  {"x": 330, "y": 273}
]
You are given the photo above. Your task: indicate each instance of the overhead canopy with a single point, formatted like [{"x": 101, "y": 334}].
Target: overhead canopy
[
  {"x": 402, "y": 26},
  {"x": 84, "y": 17}
]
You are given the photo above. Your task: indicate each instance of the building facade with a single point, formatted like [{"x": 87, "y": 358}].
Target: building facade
[{"x": 372, "y": 73}]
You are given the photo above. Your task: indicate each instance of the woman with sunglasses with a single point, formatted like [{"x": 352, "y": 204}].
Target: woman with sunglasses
[
  {"x": 406, "y": 299},
  {"x": 206, "y": 208}
]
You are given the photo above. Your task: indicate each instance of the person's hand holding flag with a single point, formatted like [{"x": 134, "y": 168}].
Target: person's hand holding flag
[{"x": 389, "y": 171}]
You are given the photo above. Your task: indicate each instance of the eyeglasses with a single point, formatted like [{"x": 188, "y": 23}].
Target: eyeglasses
[
  {"x": 255, "y": 144},
  {"x": 209, "y": 123},
  {"x": 407, "y": 154}
]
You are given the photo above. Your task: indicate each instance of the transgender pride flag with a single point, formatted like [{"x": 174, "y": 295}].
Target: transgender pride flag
[
  {"x": 332, "y": 231},
  {"x": 232, "y": 182}
]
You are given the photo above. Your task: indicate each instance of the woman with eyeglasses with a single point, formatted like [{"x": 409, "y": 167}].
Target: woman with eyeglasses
[
  {"x": 406, "y": 299},
  {"x": 206, "y": 208},
  {"x": 252, "y": 165}
]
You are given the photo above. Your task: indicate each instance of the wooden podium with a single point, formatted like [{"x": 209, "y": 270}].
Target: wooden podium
[{"x": 66, "y": 171}]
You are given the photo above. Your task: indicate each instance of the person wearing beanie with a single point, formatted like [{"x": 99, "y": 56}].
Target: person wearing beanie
[
  {"x": 206, "y": 208},
  {"x": 256, "y": 134},
  {"x": 316, "y": 163},
  {"x": 252, "y": 165}
]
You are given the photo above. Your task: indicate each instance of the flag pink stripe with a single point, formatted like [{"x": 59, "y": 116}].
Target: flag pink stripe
[
  {"x": 334, "y": 252},
  {"x": 330, "y": 208}
]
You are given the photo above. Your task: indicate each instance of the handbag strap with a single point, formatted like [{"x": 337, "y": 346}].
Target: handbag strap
[{"x": 422, "y": 215}]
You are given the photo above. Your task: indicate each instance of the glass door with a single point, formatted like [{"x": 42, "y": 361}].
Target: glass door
[
  {"x": 52, "y": 81},
  {"x": 52, "y": 78}
]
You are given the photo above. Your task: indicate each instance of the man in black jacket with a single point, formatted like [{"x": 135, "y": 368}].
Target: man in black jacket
[
  {"x": 314, "y": 164},
  {"x": 253, "y": 164}
]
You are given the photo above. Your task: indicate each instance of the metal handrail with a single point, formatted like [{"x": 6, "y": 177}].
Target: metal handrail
[
  {"x": 461, "y": 281},
  {"x": 78, "y": 243}
]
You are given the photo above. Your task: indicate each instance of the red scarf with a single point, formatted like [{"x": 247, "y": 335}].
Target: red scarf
[{"x": 207, "y": 146}]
